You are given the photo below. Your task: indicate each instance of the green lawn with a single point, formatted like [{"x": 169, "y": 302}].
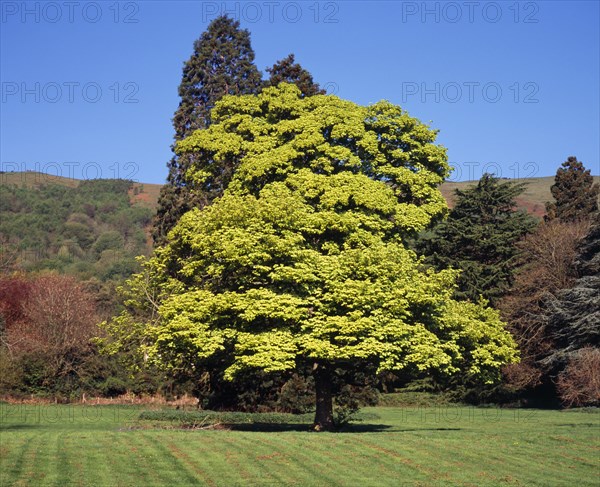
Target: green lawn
[{"x": 95, "y": 445}]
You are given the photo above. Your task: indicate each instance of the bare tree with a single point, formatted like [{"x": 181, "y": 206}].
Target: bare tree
[
  {"x": 14, "y": 292},
  {"x": 59, "y": 320},
  {"x": 579, "y": 383},
  {"x": 548, "y": 257}
]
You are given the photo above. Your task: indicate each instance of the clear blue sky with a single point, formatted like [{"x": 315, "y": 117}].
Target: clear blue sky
[{"x": 511, "y": 86}]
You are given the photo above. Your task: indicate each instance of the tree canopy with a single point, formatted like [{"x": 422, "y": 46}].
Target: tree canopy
[
  {"x": 91, "y": 229},
  {"x": 302, "y": 259},
  {"x": 546, "y": 266}
]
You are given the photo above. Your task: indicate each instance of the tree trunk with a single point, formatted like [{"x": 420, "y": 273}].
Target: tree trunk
[{"x": 324, "y": 413}]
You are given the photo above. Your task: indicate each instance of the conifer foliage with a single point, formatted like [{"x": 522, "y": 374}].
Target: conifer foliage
[
  {"x": 288, "y": 71},
  {"x": 574, "y": 191},
  {"x": 222, "y": 64},
  {"x": 574, "y": 314},
  {"x": 547, "y": 266},
  {"x": 479, "y": 238}
]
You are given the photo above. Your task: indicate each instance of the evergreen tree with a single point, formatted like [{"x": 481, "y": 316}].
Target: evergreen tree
[
  {"x": 222, "y": 64},
  {"x": 286, "y": 70},
  {"x": 479, "y": 238},
  {"x": 574, "y": 191}
]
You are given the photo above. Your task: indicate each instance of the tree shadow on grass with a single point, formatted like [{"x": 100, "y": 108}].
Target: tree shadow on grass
[
  {"x": 370, "y": 428},
  {"x": 10, "y": 427},
  {"x": 304, "y": 428},
  {"x": 578, "y": 425}
]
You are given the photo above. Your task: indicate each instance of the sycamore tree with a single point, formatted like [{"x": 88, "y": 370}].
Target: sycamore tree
[{"x": 303, "y": 260}]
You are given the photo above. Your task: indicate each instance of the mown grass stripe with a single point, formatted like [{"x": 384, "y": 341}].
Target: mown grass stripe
[
  {"x": 164, "y": 469},
  {"x": 418, "y": 456},
  {"x": 181, "y": 472},
  {"x": 237, "y": 453},
  {"x": 15, "y": 468},
  {"x": 154, "y": 465},
  {"x": 394, "y": 458},
  {"x": 304, "y": 455},
  {"x": 29, "y": 474},
  {"x": 252, "y": 456},
  {"x": 101, "y": 466},
  {"x": 63, "y": 471},
  {"x": 201, "y": 472}
]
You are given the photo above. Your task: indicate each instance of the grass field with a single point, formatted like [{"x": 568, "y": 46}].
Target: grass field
[{"x": 101, "y": 446}]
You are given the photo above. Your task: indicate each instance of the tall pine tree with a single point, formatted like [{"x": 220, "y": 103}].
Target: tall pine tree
[
  {"x": 574, "y": 191},
  {"x": 222, "y": 64},
  {"x": 479, "y": 238},
  {"x": 287, "y": 70}
]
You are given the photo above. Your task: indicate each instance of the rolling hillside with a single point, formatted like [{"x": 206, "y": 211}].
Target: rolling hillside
[
  {"x": 146, "y": 195},
  {"x": 89, "y": 228},
  {"x": 533, "y": 199}
]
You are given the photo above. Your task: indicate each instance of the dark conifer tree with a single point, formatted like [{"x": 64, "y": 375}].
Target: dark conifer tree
[
  {"x": 286, "y": 70},
  {"x": 222, "y": 64},
  {"x": 479, "y": 238},
  {"x": 574, "y": 191}
]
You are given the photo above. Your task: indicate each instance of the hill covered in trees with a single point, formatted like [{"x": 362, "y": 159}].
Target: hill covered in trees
[{"x": 90, "y": 229}]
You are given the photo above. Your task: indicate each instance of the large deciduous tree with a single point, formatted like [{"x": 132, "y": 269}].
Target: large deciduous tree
[
  {"x": 222, "y": 64},
  {"x": 574, "y": 191},
  {"x": 479, "y": 238},
  {"x": 302, "y": 260}
]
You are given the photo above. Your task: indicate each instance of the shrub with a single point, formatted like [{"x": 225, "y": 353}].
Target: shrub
[
  {"x": 297, "y": 395},
  {"x": 579, "y": 383},
  {"x": 196, "y": 418}
]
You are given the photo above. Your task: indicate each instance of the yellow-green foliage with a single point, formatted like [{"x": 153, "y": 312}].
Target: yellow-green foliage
[{"x": 302, "y": 258}]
